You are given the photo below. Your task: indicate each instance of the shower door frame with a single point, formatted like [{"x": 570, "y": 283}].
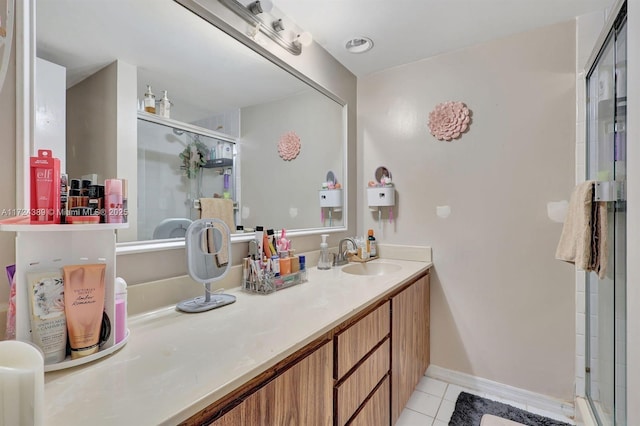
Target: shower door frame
[{"x": 616, "y": 171}]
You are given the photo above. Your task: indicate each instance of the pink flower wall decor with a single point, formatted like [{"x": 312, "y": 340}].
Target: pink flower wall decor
[
  {"x": 289, "y": 146},
  {"x": 449, "y": 120}
]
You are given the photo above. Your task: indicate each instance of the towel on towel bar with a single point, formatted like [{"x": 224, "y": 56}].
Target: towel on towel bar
[
  {"x": 218, "y": 208},
  {"x": 583, "y": 241}
]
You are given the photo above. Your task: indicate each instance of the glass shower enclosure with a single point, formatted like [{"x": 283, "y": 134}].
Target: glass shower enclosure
[{"x": 605, "y": 359}]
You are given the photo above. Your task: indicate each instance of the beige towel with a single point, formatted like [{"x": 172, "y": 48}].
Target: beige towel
[
  {"x": 218, "y": 208},
  {"x": 584, "y": 235}
]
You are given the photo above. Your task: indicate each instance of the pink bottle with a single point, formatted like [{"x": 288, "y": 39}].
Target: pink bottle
[
  {"x": 113, "y": 201},
  {"x": 121, "y": 309}
]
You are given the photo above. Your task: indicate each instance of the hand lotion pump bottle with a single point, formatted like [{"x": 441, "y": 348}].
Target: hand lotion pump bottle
[{"x": 324, "y": 262}]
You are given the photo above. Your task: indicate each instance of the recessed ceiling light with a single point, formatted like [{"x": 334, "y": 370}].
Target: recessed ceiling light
[{"x": 359, "y": 45}]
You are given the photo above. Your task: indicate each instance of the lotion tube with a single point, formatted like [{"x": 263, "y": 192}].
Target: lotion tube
[
  {"x": 84, "y": 304},
  {"x": 48, "y": 324}
]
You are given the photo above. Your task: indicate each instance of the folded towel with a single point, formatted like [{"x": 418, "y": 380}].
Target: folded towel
[
  {"x": 583, "y": 241},
  {"x": 218, "y": 208}
]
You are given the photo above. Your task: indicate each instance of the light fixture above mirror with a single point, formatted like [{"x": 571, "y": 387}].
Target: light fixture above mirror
[{"x": 271, "y": 26}]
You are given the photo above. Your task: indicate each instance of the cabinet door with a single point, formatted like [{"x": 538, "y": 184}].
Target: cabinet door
[
  {"x": 376, "y": 410},
  {"x": 355, "y": 389},
  {"x": 410, "y": 342},
  {"x": 302, "y": 395}
]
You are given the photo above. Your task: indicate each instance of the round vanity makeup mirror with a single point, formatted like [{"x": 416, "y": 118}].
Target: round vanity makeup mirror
[
  {"x": 331, "y": 177},
  {"x": 382, "y": 172}
]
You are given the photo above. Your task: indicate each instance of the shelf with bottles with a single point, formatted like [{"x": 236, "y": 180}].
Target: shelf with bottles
[
  {"x": 49, "y": 247},
  {"x": 181, "y": 125},
  {"x": 218, "y": 163}
]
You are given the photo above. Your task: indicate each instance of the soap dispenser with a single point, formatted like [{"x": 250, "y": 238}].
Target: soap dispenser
[
  {"x": 324, "y": 262},
  {"x": 165, "y": 106},
  {"x": 149, "y": 101}
]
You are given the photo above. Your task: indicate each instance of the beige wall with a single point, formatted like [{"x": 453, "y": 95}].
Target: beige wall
[
  {"x": 502, "y": 307},
  {"x": 297, "y": 182}
]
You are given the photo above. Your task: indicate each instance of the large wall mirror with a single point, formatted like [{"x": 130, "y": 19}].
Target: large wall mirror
[{"x": 230, "y": 105}]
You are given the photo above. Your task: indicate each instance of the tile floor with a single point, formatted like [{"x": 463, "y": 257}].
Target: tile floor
[{"x": 433, "y": 401}]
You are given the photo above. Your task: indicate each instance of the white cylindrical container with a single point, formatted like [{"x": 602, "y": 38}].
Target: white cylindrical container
[{"x": 21, "y": 384}]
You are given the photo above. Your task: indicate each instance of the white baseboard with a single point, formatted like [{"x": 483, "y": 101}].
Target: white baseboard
[{"x": 532, "y": 399}]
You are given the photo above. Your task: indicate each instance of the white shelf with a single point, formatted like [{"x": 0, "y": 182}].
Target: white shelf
[
  {"x": 169, "y": 122},
  {"x": 50, "y": 247},
  {"x": 68, "y": 363},
  {"x": 28, "y": 227}
]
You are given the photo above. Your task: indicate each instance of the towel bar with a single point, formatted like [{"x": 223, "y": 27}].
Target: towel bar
[
  {"x": 196, "y": 204},
  {"x": 608, "y": 191}
]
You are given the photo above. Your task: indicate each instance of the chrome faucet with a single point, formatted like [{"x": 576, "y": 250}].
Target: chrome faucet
[{"x": 341, "y": 258}]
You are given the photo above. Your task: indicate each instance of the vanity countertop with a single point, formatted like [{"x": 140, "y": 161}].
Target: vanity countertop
[{"x": 176, "y": 364}]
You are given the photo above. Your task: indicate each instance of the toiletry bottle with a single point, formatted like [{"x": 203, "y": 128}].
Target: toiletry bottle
[
  {"x": 64, "y": 193},
  {"x": 113, "y": 200},
  {"x": 227, "y": 177},
  {"x": 165, "y": 105},
  {"x": 303, "y": 267},
  {"x": 45, "y": 188},
  {"x": 121, "y": 309},
  {"x": 125, "y": 201},
  {"x": 324, "y": 262},
  {"x": 373, "y": 250},
  {"x": 149, "y": 101}
]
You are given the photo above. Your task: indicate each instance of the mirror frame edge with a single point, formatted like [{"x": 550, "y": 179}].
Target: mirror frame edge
[
  {"x": 25, "y": 86},
  {"x": 25, "y": 116}
]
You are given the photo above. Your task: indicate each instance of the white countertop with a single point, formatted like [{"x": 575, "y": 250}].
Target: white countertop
[{"x": 176, "y": 364}]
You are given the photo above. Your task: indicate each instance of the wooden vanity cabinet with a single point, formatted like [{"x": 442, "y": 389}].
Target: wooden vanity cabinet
[
  {"x": 301, "y": 395},
  {"x": 362, "y": 372},
  {"x": 410, "y": 342},
  {"x": 362, "y": 362}
]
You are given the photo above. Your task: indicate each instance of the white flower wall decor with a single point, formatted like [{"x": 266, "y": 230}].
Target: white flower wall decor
[{"x": 449, "y": 120}]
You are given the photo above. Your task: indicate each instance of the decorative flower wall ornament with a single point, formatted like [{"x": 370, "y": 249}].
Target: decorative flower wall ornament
[
  {"x": 289, "y": 146},
  {"x": 449, "y": 120}
]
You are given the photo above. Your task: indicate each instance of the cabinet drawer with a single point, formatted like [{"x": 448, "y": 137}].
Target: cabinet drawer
[
  {"x": 356, "y": 341},
  {"x": 355, "y": 389},
  {"x": 376, "y": 411}
]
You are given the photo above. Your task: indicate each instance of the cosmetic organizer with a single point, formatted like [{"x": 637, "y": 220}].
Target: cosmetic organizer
[
  {"x": 53, "y": 246},
  {"x": 268, "y": 283}
]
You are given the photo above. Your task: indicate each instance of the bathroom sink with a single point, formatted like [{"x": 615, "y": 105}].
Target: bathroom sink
[{"x": 370, "y": 268}]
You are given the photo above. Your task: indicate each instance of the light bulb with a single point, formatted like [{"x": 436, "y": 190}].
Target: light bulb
[{"x": 304, "y": 39}]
